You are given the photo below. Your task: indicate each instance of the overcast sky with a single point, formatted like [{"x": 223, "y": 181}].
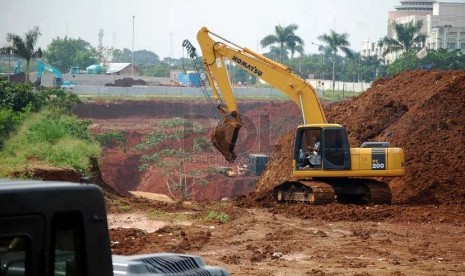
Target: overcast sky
[{"x": 162, "y": 25}]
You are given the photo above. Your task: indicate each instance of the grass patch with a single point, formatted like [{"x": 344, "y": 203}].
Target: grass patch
[
  {"x": 329, "y": 95},
  {"x": 158, "y": 214},
  {"x": 176, "y": 98},
  {"x": 338, "y": 95},
  {"x": 112, "y": 138},
  {"x": 49, "y": 140},
  {"x": 219, "y": 217},
  {"x": 126, "y": 208}
]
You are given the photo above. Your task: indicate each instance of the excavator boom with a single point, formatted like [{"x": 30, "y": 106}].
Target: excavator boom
[
  {"x": 41, "y": 66},
  {"x": 215, "y": 54}
]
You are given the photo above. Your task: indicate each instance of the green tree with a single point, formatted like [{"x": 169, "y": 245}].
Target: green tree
[
  {"x": 441, "y": 59},
  {"x": 325, "y": 58},
  {"x": 25, "y": 47},
  {"x": 407, "y": 36},
  {"x": 63, "y": 53},
  {"x": 294, "y": 47},
  {"x": 370, "y": 66},
  {"x": 121, "y": 55},
  {"x": 171, "y": 158},
  {"x": 336, "y": 42},
  {"x": 160, "y": 70},
  {"x": 276, "y": 52},
  {"x": 140, "y": 57},
  {"x": 284, "y": 37}
]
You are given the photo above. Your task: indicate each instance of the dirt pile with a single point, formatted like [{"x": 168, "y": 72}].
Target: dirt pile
[
  {"x": 264, "y": 125},
  {"x": 419, "y": 111},
  {"x": 126, "y": 82},
  {"x": 16, "y": 78}
]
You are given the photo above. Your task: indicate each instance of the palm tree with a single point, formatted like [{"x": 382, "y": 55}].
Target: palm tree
[
  {"x": 293, "y": 47},
  {"x": 24, "y": 47},
  {"x": 285, "y": 37},
  {"x": 407, "y": 36},
  {"x": 276, "y": 52},
  {"x": 336, "y": 42},
  {"x": 371, "y": 63}
]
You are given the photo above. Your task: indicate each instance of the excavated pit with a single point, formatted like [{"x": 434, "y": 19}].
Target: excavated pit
[{"x": 120, "y": 164}]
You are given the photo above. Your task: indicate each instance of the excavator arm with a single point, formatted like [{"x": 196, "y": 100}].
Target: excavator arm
[
  {"x": 277, "y": 75},
  {"x": 41, "y": 66}
]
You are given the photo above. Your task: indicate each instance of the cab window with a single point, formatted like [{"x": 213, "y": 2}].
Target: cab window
[
  {"x": 68, "y": 256},
  {"x": 336, "y": 149},
  {"x": 15, "y": 253}
]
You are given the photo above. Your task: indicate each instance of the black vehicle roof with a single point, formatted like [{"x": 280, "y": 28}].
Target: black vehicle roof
[
  {"x": 27, "y": 196},
  {"x": 9, "y": 184}
]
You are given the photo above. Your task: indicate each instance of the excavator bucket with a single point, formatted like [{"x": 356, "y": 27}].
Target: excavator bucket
[{"x": 224, "y": 138}]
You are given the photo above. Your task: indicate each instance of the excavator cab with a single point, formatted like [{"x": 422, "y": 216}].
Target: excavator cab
[{"x": 321, "y": 147}]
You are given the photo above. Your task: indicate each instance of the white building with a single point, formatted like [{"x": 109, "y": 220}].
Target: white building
[
  {"x": 446, "y": 26},
  {"x": 443, "y": 23}
]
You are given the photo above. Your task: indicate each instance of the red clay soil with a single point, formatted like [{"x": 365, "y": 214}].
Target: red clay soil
[
  {"x": 419, "y": 111},
  {"x": 262, "y": 126},
  {"x": 263, "y": 123}
]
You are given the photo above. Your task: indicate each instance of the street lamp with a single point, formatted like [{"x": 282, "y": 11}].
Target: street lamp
[{"x": 132, "y": 52}]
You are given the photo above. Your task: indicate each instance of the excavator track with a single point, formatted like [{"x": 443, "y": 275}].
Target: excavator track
[
  {"x": 361, "y": 191},
  {"x": 311, "y": 192},
  {"x": 380, "y": 193},
  {"x": 324, "y": 191}
]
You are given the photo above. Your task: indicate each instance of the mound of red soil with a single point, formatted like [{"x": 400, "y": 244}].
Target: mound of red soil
[
  {"x": 419, "y": 111},
  {"x": 126, "y": 82}
]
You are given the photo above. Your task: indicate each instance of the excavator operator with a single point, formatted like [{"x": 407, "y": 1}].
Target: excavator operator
[{"x": 312, "y": 156}]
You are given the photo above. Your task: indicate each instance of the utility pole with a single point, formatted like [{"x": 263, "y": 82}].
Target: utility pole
[
  {"x": 132, "y": 52},
  {"x": 171, "y": 45}
]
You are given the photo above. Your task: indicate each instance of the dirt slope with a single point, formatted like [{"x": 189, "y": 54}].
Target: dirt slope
[{"x": 420, "y": 111}]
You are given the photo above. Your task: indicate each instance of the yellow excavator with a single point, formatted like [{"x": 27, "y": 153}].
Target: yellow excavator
[{"x": 325, "y": 168}]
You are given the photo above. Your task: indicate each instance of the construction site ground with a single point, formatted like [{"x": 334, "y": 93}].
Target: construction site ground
[
  {"x": 297, "y": 240},
  {"x": 234, "y": 223}
]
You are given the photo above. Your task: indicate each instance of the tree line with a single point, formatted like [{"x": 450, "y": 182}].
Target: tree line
[{"x": 335, "y": 60}]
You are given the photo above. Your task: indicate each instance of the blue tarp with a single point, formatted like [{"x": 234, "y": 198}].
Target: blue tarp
[{"x": 189, "y": 79}]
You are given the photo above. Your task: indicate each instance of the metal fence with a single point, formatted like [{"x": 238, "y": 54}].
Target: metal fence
[
  {"x": 140, "y": 91},
  {"x": 95, "y": 85}
]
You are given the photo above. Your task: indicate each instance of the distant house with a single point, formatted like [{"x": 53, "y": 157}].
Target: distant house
[{"x": 121, "y": 69}]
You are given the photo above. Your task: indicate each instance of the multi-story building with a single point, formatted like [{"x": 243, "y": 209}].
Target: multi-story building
[
  {"x": 446, "y": 26},
  {"x": 442, "y": 22}
]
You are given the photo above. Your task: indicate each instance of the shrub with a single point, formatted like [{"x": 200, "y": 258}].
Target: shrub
[
  {"x": 111, "y": 139},
  {"x": 8, "y": 121},
  {"x": 220, "y": 217},
  {"x": 176, "y": 122},
  {"x": 18, "y": 96},
  {"x": 51, "y": 128},
  {"x": 201, "y": 144}
]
